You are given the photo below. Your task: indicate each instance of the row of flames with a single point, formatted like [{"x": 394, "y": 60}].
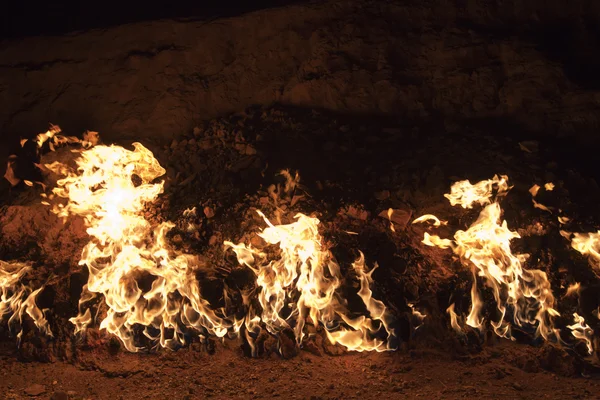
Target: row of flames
[{"x": 296, "y": 285}]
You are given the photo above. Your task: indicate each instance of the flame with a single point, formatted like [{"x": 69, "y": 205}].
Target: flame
[
  {"x": 390, "y": 212},
  {"x": 18, "y": 299},
  {"x": 563, "y": 220},
  {"x": 573, "y": 290},
  {"x": 417, "y": 315},
  {"x": 582, "y": 331},
  {"x": 534, "y": 190},
  {"x": 110, "y": 189},
  {"x": 540, "y": 206},
  {"x": 429, "y": 217},
  {"x": 299, "y": 287},
  {"x": 524, "y": 294},
  {"x": 588, "y": 244},
  {"x": 465, "y": 194},
  {"x": 189, "y": 212},
  {"x": 454, "y": 319}
]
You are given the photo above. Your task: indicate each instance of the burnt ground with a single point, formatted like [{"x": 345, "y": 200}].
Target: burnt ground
[{"x": 352, "y": 168}]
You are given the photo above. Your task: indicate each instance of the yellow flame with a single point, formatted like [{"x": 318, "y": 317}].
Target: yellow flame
[
  {"x": 17, "y": 299},
  {"x": 305, "y": 270},
  {"x": 429, "y": 217},
  {"x": 573, "y": 289},
  {"x": 466, "y": 194},
  {"x": 549, "y": 186},
  {"x": 588, "y": 244},
  {"x": 110, "y": 189},
  {"x": 418, "y": 315},
  {"x": 454, "y": 319},
  {"x": 390, "y": 212},
  {"x": 189, "y": 212},
  {"x": 534, "y": 190},
  {"x": 485, "y": 249},
  {"x": 582, "y": 331}
]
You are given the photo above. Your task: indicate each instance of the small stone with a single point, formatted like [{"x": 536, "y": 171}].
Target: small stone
[
  {"x": 209, "y": 212},
  {"x": 205, "y": 144},
  {"x": 60, "y": 396},
  {"x": 213, "y": 240},
  {"x": 383, "y": 195},
  {"x": 357, "y": 213},
  {"x": 174, "y": 144},
  {"x": 517, "y": 386},
  {"x": 35, "y": 390},
  {"x": 398, "y": 217},
  {"x": 312, "y": 347},
  {"x": 197, "y": 131}
]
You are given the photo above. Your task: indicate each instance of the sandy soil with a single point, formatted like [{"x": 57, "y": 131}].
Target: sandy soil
[{"x": 193, "y": 374}]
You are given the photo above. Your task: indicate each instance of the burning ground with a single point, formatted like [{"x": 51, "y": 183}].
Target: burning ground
[{"x": 193, "y": 267}]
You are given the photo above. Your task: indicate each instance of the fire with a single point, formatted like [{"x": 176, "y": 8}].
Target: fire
[
  {"x": 582, "y": 331},
  {"x": 464, "y": 193},
  {"x": 18, "y": 300},
  {"x": 523, "y": 296},
  {"x": 299, "y": 285},
  {"x": 588, "y": 244},
  {"x": 110, "y": 189}
]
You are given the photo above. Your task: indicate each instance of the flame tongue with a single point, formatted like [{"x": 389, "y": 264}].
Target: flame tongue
[
  {"x": 125, "y": 249},
  {"x": 17, "y": 299},
  {"x": 306, "y": 270},
  {"x": 522, "y": 295}
]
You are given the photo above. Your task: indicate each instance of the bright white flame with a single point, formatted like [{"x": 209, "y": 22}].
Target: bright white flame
[
  {"x": 17, "y": 299},
  {"x": 305, "y": 270},
  {"x": 110, "y": 189},
  {"x": 454, "y": 319},
  {"x": 524, "y": 295},
  {"x": 582, "y": 331},
  {"x": 466, "y": 194},
  {"x": 588, "y": 244},
  {"x": 430, "y": 217}
]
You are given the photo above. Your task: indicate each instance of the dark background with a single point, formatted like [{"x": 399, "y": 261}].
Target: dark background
[{"x": 31, "y": 18}]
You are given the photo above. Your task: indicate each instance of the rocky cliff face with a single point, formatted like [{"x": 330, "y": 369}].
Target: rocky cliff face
[{"x": 532, "y": 67}]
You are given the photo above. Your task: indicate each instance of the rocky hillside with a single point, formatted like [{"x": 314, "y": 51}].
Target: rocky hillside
[{"x": 530, "y": 67}]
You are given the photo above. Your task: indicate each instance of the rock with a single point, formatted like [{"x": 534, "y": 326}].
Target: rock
[
  {"x": 312, "y": 348},
  {"x": 209, "y": 212},
  {"x": 60, "y": 396},
  {"x": 398, "y": 217},
  {"x": 206, "y": 144},
  {"x": 35, "y": 390},
  {"x": 383, "y": 195},
  {"x": 517, "y": 386},
  {"x": 357, "y": 213}
]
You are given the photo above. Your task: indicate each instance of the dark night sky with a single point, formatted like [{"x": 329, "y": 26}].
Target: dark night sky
[{"x": 20, "y": 18}]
